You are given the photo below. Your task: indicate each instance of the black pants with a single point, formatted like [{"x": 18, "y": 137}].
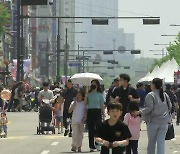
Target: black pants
[
  {"x": 133, "y": 145},
  {"x": 178, "y": 115},
  {"x": 67, "y": 115},
  {"x": 94, "y": 121},
  {"x": 10, "y": 104}
]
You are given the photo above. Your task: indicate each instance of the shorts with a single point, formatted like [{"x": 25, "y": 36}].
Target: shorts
[
  {"x": 4, "y": 128},
  {"x": 59, "y": 119}
]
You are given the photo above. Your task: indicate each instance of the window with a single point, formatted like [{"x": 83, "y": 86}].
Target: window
[
  {"x": 66, "y": 9},
  {"x": 43, "y": 21}
]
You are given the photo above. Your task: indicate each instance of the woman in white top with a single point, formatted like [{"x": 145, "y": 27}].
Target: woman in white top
[{"x": 78, "y": 108}]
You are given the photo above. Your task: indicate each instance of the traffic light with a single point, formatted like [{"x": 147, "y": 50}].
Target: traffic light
[
  {"x": 111, "y": 61},
  {"x": 151, "y": 21},
  {"x": 96, "y": 62},
  {"x": 107, "y": 52},
  {"x": 126, "y": 67},
  {"x": 134, "y": 52},
  {"x": 100, "y": 21},
  {"x": 34, "y": 2}
]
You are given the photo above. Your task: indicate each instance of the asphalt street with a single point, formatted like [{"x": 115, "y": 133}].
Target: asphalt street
[{"x": 22, "y": 138}]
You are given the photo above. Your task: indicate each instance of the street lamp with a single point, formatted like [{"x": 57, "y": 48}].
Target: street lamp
[
  {"x": 66, "y": 52},
  {"x": 58, "y": 47}
]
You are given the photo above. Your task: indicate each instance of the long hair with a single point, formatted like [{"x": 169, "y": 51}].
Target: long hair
[
  {"x": 98, "y": 86},
  {"x": 158, "y": 84}
]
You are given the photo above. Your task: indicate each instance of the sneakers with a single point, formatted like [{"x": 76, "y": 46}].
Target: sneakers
[
  {"x": 70, "y": 134},
  {"x": 66, "y": 132},
  {"x": 92, "y": 149},
  {"x": 79, "y": 149},
  {"x": 73, "y": 149}
]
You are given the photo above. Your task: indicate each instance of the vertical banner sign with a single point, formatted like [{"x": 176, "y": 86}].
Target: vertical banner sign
[{"x": 26, "y": 68}]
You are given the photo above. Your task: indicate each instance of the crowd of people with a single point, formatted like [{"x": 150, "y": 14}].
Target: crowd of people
[{"x": 76, "y": 108}]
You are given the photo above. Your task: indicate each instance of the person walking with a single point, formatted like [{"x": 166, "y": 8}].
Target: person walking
[
  {"x": 134, "y": 124},
  {"x": 156, "y": 116},
  {"x": 78, "y": 107},
  {"x": 125, "y": 93},
  {"x": 141, "y": 93},
  {"x": 172, "y": 97},
  {"x": 70, "y": 94},
  {"x": 19, "y": 95},
  {"x": 178, "y": 105},
  {"x": 115, "y": 85},
  {"x": 95, "y": 104},
  {"x": 46, "y": 93}
]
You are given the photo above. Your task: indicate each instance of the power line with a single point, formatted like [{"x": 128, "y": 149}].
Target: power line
[
  {"x": 111, "y": 9},
  {"x": 94, "y": 11}
]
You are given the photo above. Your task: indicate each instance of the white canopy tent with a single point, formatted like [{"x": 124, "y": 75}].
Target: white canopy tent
[
  {"x": 165, "y": 72},
  {"x": 150, "y": 76},
  {"x": 168, "y": 73},
  {"x": 145, "y": 78}
]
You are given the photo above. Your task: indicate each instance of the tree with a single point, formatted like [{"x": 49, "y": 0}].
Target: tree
[
  {"x": 174, "y": 49},
  {"x": 173, "y": 52},
  {"x": 4, "y": 18}
]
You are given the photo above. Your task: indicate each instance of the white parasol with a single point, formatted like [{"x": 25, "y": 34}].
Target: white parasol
[{"x": 85, "y": 79}]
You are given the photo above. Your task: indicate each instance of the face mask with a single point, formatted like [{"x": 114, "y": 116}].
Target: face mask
[{"x": 93, "y": 86}]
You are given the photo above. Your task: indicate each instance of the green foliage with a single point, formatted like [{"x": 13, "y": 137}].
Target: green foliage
[
  {"x": 173, "y": 52},
  {"x": 4, "y": 18},
  {"x": 174, "y": 49}
]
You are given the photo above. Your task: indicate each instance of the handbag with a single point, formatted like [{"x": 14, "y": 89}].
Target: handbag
[{"x": 170, "y": 132}]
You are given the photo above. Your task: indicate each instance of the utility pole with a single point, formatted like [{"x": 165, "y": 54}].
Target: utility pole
[
  {"x": 79, "y": 67},
  {"x": 66, "y": 59},
  {"x": 18, "y": 75},
  {"x": 22, "y": 48},
  {"x": 83, "y": 61},
  {"x": 58, "y": 55},
  {"x": 47, "y": 59}
]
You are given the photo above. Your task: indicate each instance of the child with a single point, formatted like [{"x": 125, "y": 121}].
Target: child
[
  {"x": 134, "y": 125},
  {"x": 78, "y": 108},
  {"x": 58, "y": 111},
  {"x": 113, "y": 133},
  {"x": 3, "y": 123}
]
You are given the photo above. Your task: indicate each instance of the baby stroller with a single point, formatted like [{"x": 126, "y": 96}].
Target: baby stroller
[{"x": 46, "y": 122}]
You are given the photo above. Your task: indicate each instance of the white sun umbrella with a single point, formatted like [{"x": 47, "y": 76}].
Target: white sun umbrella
[{"x": 85, "y": 79}]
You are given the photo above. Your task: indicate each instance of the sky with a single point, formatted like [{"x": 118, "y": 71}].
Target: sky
[{"x": 145, "y": 35}]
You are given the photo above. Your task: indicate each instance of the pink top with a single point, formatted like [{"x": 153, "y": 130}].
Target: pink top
[{"x": 134, "y": 125}]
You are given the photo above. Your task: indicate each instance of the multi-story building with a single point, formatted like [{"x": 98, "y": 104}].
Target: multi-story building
[{"x": 109, "y": 37}]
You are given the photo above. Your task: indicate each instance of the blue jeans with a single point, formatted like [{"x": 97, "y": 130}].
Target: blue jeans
[{"x": 156, "y": 134}]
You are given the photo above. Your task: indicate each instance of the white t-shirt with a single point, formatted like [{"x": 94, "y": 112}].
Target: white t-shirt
[
  {"x": 46, "y": 94},
  {"x": 59, "y": 112},
  {"x": 78, "y": 112}
]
